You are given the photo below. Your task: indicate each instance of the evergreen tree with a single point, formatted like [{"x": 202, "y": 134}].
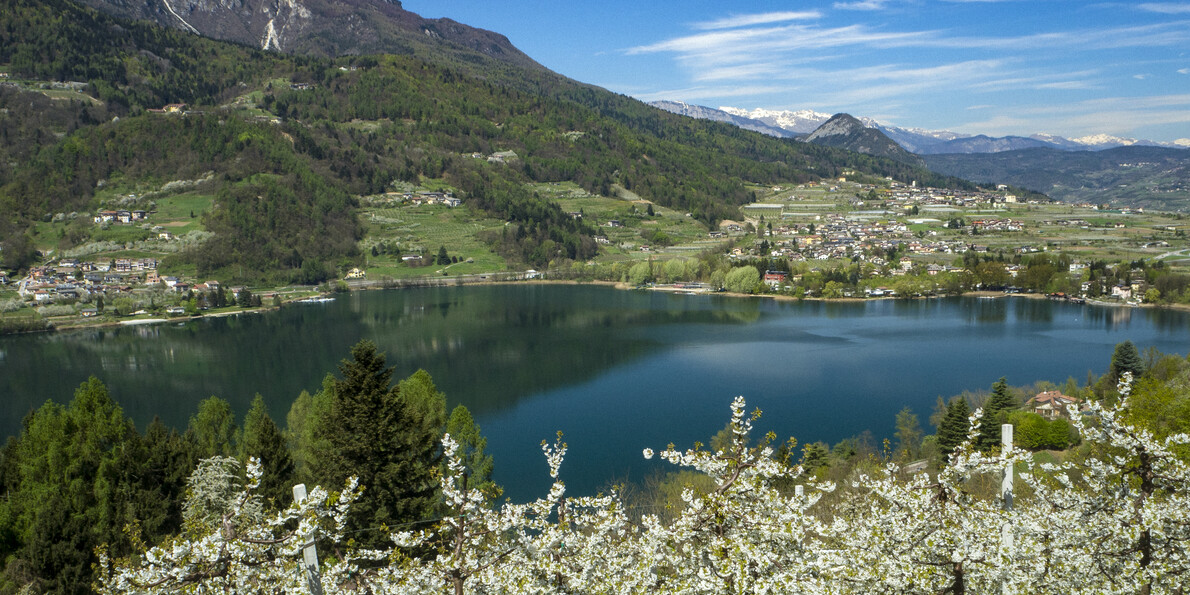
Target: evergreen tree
[
  {"x": 63, "y": 491},
  {"x": 995, "y": 414},
  {"x": 167, "y": 460},
  {"x": 306, "y": 441},
  {"x": 1126, "y": 358},
  {"x": 212, "y": 431},
  {"x": 953, "y": 429},
  {"x": 426, "y": 403},
  {"x": 263, "y": 439},
  {"x": 376, "y": 436},
  {"x": 462, "y": 427},
  {"x": 442, "y": 256}
]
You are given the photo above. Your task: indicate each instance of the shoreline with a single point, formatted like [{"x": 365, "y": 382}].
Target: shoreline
[{"x": 619, "y": 285}]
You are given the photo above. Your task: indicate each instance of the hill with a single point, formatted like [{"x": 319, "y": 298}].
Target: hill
[
  {"x": 288, "y": 143},
  {"x": 1137, "y": 176},
  {"x": 845, "y": 132}
]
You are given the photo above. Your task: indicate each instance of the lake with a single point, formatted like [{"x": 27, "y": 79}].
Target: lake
[{"x": 616, "y": 371}]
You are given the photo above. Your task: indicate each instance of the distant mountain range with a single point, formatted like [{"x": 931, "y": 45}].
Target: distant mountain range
[{"x": 915, "y": 140}]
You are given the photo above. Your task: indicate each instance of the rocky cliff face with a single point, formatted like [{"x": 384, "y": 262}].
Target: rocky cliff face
[
  {"x": 317, "y": 27},
  {"x": 845, "y": 132}
]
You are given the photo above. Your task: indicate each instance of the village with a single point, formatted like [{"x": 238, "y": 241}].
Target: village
[{"x": 888, "y": 229}]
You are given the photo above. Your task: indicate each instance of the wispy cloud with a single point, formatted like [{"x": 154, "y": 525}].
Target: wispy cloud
[
  {"x": 848, "y": 61},
  {"x": 861, "y": 5},
  {"x": 1111, "y": 115},
  {"x": 748, "y": 20},
  {"x": 1165, "y": 7}
]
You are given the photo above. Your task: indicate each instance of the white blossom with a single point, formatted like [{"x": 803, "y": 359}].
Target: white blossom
[{"x": 1116, "y": 522}]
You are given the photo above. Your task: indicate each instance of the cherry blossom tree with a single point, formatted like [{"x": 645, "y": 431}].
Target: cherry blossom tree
[{"x": 1115, "y": 522}]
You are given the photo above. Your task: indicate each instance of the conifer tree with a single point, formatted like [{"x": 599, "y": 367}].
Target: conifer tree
[
  {"x": 372, "y": 434},
  {"x": 263, "y": 439},
  {"x": 1126, "y": 358},
  {"x": 953, "y": 429},
  {"x": 213, "y": 429},
  {"x": 995, "y": 413},
  {"x": 472, "y": 446}
]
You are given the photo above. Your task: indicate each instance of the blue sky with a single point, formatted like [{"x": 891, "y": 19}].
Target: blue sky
[{"x": 995, "y": 67}]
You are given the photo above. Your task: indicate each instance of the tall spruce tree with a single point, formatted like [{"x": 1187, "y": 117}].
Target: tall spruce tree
[
  {"x": 262, "y": 439},
  {"x": 373, "y": 434},
  {"x": 1126, "y": 358},
  {"x": 953, "y": 429},
  {"x": 995, "y": 414}
]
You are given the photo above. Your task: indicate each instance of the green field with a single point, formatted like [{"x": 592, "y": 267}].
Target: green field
[
  {"x": 400, "y": 230},
  {"x": 181, "y": 213}
]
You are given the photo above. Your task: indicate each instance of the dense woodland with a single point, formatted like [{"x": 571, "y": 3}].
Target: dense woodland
[{"x": 344, "y": 128}]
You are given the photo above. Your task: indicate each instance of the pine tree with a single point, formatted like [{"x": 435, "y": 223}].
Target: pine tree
[
  {"x": 63, "y": 494},
  {"x": 953, "y": 429},
  {"x": 995, "y": 414},
  {"x": 263, "y": 439},
  {"x": 1126, "y": 358},
  {"x": 372, "y": 434}
]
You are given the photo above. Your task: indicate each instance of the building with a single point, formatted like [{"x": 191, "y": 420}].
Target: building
[{"x": 1050, "y": 404}]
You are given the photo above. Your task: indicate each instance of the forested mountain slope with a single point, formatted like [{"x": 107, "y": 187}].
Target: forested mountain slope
[{"x": 292, "y": 140}]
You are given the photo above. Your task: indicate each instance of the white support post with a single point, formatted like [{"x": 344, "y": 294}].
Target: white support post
[
  {"x": 309, "y": 554},
  {"x": 1006, "y": 538},
  {"x": 1006, "y": 484}
]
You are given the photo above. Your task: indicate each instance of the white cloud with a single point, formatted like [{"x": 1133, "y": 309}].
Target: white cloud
[
  {"x": 1065, "y": 85},
  {"x": 861, "y": 5},
  {"x": 1108, "y": 115},
  {"x": 1165, "y": 7},
  {"x": 748, "y": 20},
  {"x": 1140, "y": 77},
  {"x": 1184, "y": 71}
]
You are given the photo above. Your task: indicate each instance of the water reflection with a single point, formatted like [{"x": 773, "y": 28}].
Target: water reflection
[
  {"x": 1112, "y": 318},
  {"x": 602, "y": 364}
]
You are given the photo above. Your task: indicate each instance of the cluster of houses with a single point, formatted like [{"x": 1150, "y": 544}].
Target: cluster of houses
[
  {"x": 121, "y": 216},
  {"x": 70, "y": 278},
  {"x": 425, "y": 198},
  {"x": 841, "y": 237}
]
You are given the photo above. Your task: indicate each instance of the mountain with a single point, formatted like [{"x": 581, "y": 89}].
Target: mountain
[
  {"x": 705, "y": 113},
  {"x": 1143, "y": 176},
  {"x": 317, "y": 27},
  {"x": 287, "y": 145},
  {"x": 799, "y": 122},
  {"x": 926, "y": 142},
  {"x": 986, "y": 144},
  {"x": 846, "y": 132}
]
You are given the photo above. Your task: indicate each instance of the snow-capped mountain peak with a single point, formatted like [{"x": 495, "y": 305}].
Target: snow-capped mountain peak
[
  {"x": 801, "y": 121},
  {"x": 922, "y": 141}
]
